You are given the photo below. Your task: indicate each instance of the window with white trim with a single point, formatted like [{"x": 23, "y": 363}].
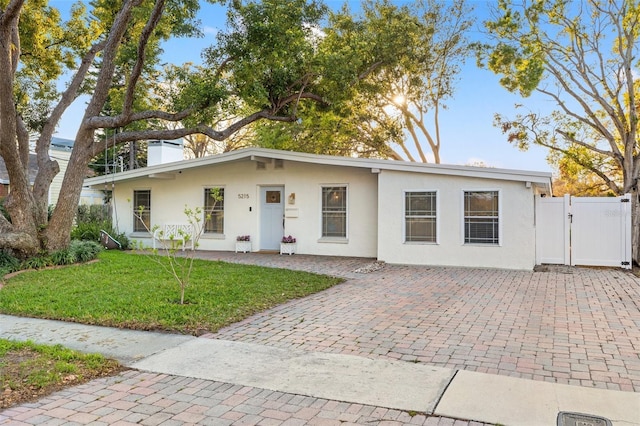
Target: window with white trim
[
  {"x": 214, "y": 210},
  {"x": 481, "y": 217},
  {"x": 420, "y": 216},
  {"x": 142, "y": 210},
  {"x": 334, "y": 211}
]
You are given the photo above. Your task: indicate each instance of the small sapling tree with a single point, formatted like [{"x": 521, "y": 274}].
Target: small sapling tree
[{"x": 173, "y": 255}]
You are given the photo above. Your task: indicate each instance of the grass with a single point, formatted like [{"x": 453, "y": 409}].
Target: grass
[
  {"x": 131, "y": 291},
  {"x": 29, "y": 371}
]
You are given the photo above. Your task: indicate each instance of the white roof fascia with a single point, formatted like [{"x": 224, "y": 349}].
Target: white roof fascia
[{"x": 394, "y": 165}]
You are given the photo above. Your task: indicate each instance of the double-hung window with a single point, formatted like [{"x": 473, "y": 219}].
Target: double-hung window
[
  {"x": 141, "y": 210},
  {"x": 334, "y": 211},
  {"x": 481, "y": 217},
  {"x": 214, "y": 210},
  {"x": 420, "y": 216}
]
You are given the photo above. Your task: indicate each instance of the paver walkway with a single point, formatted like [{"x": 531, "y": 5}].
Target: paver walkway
[
  {"x": 572, "y": 325},
  {"x": 157, "y": 399},
  {"x": 578, "y": 326}
]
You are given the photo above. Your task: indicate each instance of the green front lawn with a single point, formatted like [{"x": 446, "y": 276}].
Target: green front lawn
[{"x": 131, "y": 291}]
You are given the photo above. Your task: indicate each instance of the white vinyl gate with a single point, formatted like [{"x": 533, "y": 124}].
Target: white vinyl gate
[{"x": 590, "y": 231}]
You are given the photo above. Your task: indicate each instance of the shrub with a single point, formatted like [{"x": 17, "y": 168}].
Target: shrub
[
  {"x": 8, "y": 263},
  {"x": 89, "y": 231},
  {"x": 36, "y": 262},
  {"x": 90, "y": 220},
  {"x": 63, "y": 257},
  {"x": 93, "y": 213},
  {"x": 84, "y": 251},
  {"x": 124, "y": 241},
  {"x": 78, "y": 251}
]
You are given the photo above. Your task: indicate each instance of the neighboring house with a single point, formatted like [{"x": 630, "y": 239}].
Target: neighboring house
[
  {"x": 60, "y": 151},
  {"x": 5, "y": 184},
  {"x": 395, "y": 211}
]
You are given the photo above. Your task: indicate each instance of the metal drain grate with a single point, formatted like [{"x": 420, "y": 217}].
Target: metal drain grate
[{"x": 578, "y": 419}]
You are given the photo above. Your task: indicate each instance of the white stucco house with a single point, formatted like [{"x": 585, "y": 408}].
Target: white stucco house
[{"x": 394, "y": 211}]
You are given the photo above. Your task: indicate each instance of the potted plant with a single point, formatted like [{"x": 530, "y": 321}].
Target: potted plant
[
  {"x": 288, "y": 245},
  {"x": 243, "y": 243}
]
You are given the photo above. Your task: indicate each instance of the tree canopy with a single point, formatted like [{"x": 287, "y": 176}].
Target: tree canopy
[
  {"x": 276, "y": 61},
  {"x": 584, "y": 56}
]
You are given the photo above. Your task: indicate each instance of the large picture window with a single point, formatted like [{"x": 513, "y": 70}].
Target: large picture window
[
  {"x": 334, "y": 211},
  {"x": 214, "y": 210},
  {"x": 481, "y": 217},
  {"x": 420, "y": 216},
  {"x": 142, "y": 210}
]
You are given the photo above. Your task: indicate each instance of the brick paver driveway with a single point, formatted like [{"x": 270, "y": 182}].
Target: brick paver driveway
[{"x": 578, "y": 326}]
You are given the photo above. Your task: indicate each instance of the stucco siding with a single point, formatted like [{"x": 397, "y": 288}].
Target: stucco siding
[
  {"x": 516, "y": 249},
  {"x": 242, "y": 181}
]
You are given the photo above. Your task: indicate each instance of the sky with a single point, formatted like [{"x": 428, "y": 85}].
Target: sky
[{"x": 467, "y": 132}]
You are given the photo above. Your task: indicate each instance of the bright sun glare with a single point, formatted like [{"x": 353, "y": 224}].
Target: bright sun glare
[{"x": 399, "y": 99}]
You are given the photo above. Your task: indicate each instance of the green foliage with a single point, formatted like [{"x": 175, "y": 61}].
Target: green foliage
[
  {"x": 8, "y": 263},
  {"x": 64, "y": 257},
  {"x": 91, "y": 220},
  {"x": 363, "y": 61},
  {"x": 560, "y": 50},
  {"x": 89, "y": 231},
  {"x": 123, "y": 290},
  {"x": 36, "y": 262},
  {"x": 271, "y": 44},
  {"x": 125, "y": 242},
  {"x": 77, "y": 252},
  {"x": 49, "y": 47},
  {"x": 93, "y": 213}
]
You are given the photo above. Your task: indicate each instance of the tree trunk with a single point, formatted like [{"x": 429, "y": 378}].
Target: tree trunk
[{"x": 58, "y": 233}]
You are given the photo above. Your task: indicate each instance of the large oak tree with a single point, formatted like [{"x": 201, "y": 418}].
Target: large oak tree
[{"x": 270, "y": 60}]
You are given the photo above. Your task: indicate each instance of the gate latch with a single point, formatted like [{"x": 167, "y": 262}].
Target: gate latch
[{"x": 570, "y": 217}]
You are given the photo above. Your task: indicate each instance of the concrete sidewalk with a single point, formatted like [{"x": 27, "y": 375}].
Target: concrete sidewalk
[{"x": 407, "y": 393}]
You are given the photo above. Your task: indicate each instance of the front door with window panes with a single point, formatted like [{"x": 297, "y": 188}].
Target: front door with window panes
[{"x": 271, "y": 217}]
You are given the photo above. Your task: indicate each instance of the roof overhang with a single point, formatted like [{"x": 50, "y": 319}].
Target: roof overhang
[{"x": 541, "y": 181}]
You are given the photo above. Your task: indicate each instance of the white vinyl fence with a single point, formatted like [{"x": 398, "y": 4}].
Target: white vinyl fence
[{"x": 590, "y": 231}]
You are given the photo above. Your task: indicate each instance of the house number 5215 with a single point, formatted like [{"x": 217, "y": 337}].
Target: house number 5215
[{"x": 243, "y": 196}]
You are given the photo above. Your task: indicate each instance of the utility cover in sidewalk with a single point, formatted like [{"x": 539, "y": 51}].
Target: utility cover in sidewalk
[{"x": 577, "y": 419}]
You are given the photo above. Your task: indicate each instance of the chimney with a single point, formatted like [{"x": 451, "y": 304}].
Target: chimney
[{"x": 162, "y": 152}]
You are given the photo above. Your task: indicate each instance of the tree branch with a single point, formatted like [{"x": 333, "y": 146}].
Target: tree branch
[
  {"x": 150, "y": 26},
  {"x": 105, "y": 76},
  {"x": 11, "y": 12}
]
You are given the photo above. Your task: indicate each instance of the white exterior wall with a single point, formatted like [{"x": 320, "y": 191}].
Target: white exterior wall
[
  {"x": 517, "y": 228},
  {"x": 242, "y": 213}
]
